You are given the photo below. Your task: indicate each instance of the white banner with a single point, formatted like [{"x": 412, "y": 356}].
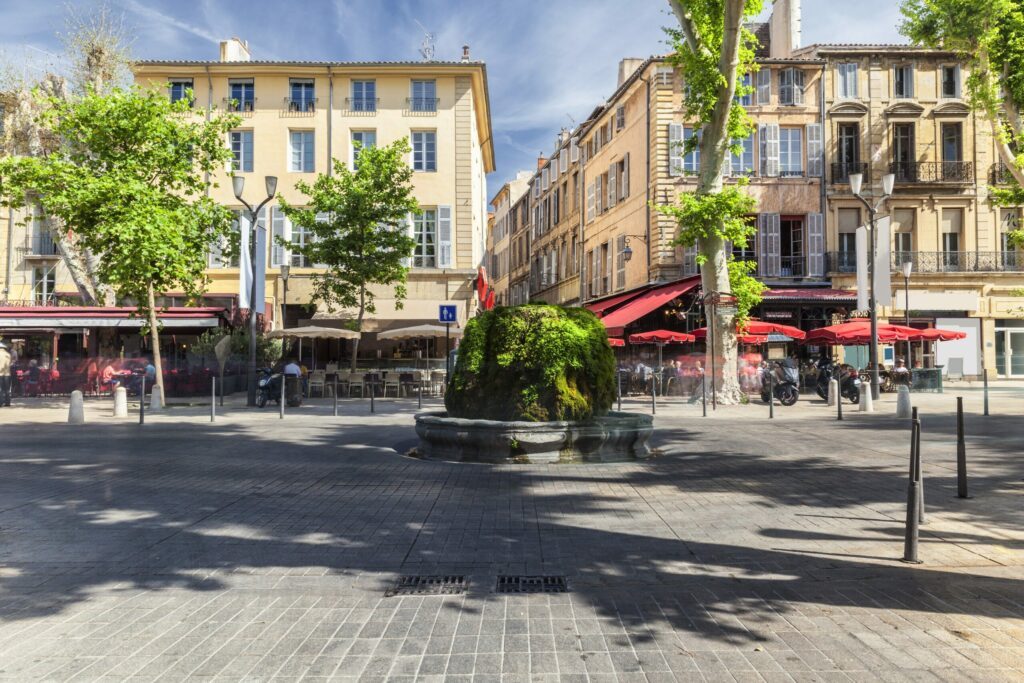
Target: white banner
[
  {"x": 244, "y": 262},
  {"x": 260, "y": 267},
  {"x": 883, "y": 260},
  {"x": 862, "y": 268}
]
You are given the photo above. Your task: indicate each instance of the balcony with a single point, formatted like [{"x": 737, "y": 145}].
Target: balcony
[
  {"x": 841, "y": 171},
  {"x": 243, "y": 107},
  {"x": 362, "y": 105},
  {"x": 41, "y": 246},
  {"x": 792, "y": 266},
  {"x": 913, "y": 172},
  {"x": 937, "y": 261},
  {"x": 422, "y": 105},
  {"x": 999, "y": 174},
  {"x": 303, "y": 105}
]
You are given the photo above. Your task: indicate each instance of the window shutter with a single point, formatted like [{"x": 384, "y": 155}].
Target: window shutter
[
  {"x": 770, "y": 260},
  {"x": 444, "y": 237},
  {"x": 675, "y": 149},
  {"x": 620, "y": 262},
  {"x": 624, "y": 178},
  {"x": 595, "y": 271},
  {"x": 770, "y": 149},
  {"x": 598, "y": 196},
  {"x": 815, "y": 163},
  {"x": 815, "y": 245},
  {"x": 727, "y": 162},
  {"x": 612, "y": 185},
  {"x": 590, "y": 202},
  {"x": 690, "y": 260},
  {"x": 574, "y": 151},
  {"x": 280, "y": 230},
  {"x": 405, "y": 225},
  {"x": 798, "y": 86},
  {"x": 764, "y": 87}
]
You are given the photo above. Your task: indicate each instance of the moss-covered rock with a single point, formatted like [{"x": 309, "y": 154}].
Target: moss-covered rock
[{"x": 534, "y": 363}]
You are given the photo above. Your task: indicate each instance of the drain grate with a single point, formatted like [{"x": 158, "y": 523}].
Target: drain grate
[
  {"x": 428, "y": 585},
  {"x": 532, "y": 584}
]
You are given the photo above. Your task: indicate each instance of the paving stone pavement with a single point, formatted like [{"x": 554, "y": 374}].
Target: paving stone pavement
[{"x": 748, "y": 550}]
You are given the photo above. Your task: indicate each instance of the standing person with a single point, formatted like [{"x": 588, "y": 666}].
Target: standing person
[{"x": 5, "y": 376}]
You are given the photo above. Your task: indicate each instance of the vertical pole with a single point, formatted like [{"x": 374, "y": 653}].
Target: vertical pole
[
  {"x": 447, "y": 350},
  {"x": 906, "y": 314},
  {"x": 913, "y": 498},
  {"x": 284, "y": 381},
  {"x": 839, "y": 398},
  {"x": 714, "y": 370},
  {"x": 142, "y": 402},
  {"x": 335, "y": 392},
  {"x": 873, "y": 347},
  {"x": 618, "y": 377},
  {"x": 771, "y": 393},
  {"x": 213, "y": 400},
  {"x": 221, "y": 385},
  {"x": 918, "y": 477},
  {"x": 419, "y": 393},
  {"x": 984, "y": 371},
  {"x": 373, "y": 392},
  {"x": 703, "y": 395},
  {"x": 251, "y": 374},
  {"x": 654, "y": 401},
  {"x": 961, "y": 451}
]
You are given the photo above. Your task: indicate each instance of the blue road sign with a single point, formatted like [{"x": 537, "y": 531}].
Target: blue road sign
[{"x": 448, "y": 313}]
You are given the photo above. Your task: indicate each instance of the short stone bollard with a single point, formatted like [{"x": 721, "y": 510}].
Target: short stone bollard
[
  {"x": 866, "y": 403},
  {"x": 155, "y": 400},
  {"x": 120, "y": 402},
  {"x": 76, "y": 411},
  {"x": 833, "y": 391},
  {"x": 903, "y": 402}
]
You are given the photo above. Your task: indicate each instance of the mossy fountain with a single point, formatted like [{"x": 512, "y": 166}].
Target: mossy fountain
[{"x": 533, "y": 383}]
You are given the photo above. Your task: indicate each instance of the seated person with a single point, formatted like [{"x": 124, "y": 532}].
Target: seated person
[{"x": 901, "y": 373}]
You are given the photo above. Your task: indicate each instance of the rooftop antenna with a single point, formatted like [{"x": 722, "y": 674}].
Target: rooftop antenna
[
  {"x": 427, "y": 46},
  {"x": 571, "y": 120}
]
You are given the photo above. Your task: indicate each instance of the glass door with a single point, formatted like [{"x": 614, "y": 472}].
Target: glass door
[{"x": 1015, "y": 353}]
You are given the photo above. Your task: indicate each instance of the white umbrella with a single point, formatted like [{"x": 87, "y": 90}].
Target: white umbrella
[
  {"x": 418, "y": 332},
  {"x": 313, "y": 332}
]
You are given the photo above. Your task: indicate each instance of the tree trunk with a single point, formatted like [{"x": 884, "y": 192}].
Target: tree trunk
[
  {"x": 359, "y": 327},
  {"x": 154, "y": 336}
]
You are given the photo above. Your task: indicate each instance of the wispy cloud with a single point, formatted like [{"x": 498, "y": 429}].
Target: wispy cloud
[{"x": 164, "y": 19}]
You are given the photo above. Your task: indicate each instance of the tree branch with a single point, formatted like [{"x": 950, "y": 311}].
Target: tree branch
[{"x": 690, "y": 34}]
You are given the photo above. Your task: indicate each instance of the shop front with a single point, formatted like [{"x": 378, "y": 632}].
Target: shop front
[{"x": 1009, "y": 345}]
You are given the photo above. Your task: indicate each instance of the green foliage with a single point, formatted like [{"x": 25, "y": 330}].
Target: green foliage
[
  {"x": 534, "y": 363},
  {"x": 745, "y": 287},
  {"x": 128, "y": 183},
  {"x": 364, "y": 238},
  {"x": 268, "y": 351},
  {"x": 724, "y": 214}
]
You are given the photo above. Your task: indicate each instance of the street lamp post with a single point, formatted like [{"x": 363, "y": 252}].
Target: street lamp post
[
  {"x": 286, "y": 271},
  {"x": 238, "y": 184},
  {"x": 908, "y": 268},
  {"x": 856, "y": 182}
]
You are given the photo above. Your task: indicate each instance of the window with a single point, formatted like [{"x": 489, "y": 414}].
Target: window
[
  {"x": 849, "y": 220},
  {"x": 951, "y": 81},
  {"x": 903, "y": 81},
  {"x": 791, "y": 158},
  {"x": 606, "y": 270},
  {"x": 791, "y": 86},
  {"x": 425, "y": 234},
  {"x": 424, "y": 96},
  {"x": 903, "y": 153},
  {"x": 364, "y": 96},
  {"x": 181, "y": 88},
  {"x": 847, "y": 80},
  {"x": 903, "y": 235},
  {"x": 241, "y": 149},
  {"x": 362, "y": 139},
  {"x": 791, "y": 243},
  {"x": 242, "y": 94},
  {"x": 952, "y": 142},
  {"x": 620, "y": 117},
  {"x": 951, "y": 226},
  {"x": 691, "y": 161},
  {"x": 902, "y": 246},
  {"x": 745, "y": 99},
  {"x": 301, "y": 151},
  {"x": 303, "y": 95},
  {"x": 44, "y": 281},
  {"x": 743, "y": 163},
  {"x": 424, "y": 151},
  {"x": 300, "y": 237}
]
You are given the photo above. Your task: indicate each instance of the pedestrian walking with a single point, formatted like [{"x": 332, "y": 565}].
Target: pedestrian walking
[{"x": 5, "y": 375}]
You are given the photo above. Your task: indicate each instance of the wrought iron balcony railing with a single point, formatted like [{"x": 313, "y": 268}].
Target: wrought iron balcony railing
[
  {"x": 41, "y": 245},
  {"x": 842, "y": 170},
  {"x": 302, "y": 104},
  {"x": 999, "y": 174},
  {"x": 932, "y": 171},
  {"x": 937, "y": 261}
]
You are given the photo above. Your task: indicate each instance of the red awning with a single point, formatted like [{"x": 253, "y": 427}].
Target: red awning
[
  {"x": 599, "y": 307},
  {"x": 934, "y": 334},
  {"x": 646, "y": 303},
  {"x": 99, "y": 316},
  {"x": 615, "y": 341},
  {"x": 760, "y": 328},
  {"x": 858, "y": 332},
  {"x": 810, "y": 294},
  {"x": 660, "y": 337}
]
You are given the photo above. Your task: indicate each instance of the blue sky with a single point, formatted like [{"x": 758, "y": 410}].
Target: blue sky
[{"x": 549, "y": 62}]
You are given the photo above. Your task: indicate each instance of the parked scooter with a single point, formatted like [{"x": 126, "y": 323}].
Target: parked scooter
[
  {"x": 784, "y": 384},
  {"x": 268, "y": 388},
  {"x": 849, "y": 381}
]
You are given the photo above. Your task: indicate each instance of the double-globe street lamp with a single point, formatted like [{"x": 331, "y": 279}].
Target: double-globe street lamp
[
  {"x": 238, "y": 184},
  {"x": 856, "y": 184}
]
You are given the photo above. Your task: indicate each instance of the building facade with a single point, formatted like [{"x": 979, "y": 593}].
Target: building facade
[
  {"x": 902, "y": 110},
  {"x": 505, "y": 223},
  {"x": 297, "y": 116}
]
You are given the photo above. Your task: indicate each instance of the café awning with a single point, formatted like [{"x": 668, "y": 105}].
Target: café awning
[
  {"x": 121, "y": 317},
  {"x": 420, "y": 332},
  {"x": 313, "y": 332},
  {"x": 646, "y": 303},
  {"x": 759, "y": 328},
  {"x": 660, "y": 337}
]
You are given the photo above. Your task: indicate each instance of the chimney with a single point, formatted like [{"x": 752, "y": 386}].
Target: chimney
[
  {"x": 234, "y": 50},
  {"x": 784, "y": 25},
  {"x": 541, "y": 160},
  {"x": 465, "y": 53},
  {"x": 627, "y": 66}
]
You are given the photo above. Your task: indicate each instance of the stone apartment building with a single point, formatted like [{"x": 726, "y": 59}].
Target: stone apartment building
[
  {"x": 297, "y": 116},
  {"x": 505, "y": 223},
  {"x": 902, "y": 110}
]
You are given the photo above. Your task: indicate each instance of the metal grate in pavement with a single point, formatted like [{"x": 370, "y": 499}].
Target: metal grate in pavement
[
  {"x": 428, "y": 585},
  {"x": 532, "y": 584}
]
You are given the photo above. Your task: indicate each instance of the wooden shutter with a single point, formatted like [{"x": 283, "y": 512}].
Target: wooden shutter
[
  {"x": 675, "y": 149},
  {"x": 405, "y": 225},
  {"x": 574, "y": 150},
  {"x": 815, "y": 163},
  {"x": 764, "y": 87},
  {"x": 769, "y": 259},
  {"x": 444, "y": 237},
  {"x": 612, "y": 184},
  {"x": 280, "y": 230},
  {"x": 595, "y": 271},
  {"x": 815, "y": 245},
  {"x": 563, "y": 161},
  {"x": 591, "y": 205},
  {"x": 624, "y": 178},
  {"x": 798, "y": 86},
  {"x": 598, "y": 196},
  {"x": 727, "y": 169},
  {"x": 770, "y": 149},
  {"x": 620, "y": 262}
]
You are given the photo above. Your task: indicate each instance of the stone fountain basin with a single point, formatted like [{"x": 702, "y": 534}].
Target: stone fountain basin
[{"x": 615, "y": 437}]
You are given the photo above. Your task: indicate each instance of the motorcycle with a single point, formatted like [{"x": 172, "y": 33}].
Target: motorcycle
[
  {"x": 268, "y": 388},
  {"x": 849, "y": 381},
  {"x": 784, "y": 384}
]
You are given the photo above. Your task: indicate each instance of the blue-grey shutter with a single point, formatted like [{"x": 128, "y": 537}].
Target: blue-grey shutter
[
  {"x": 444, "y": 237},
  {"x": 815, "y": 245}
]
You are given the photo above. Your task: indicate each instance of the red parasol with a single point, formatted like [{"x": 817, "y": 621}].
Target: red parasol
[
  {"x": 756, "y": 329},
  {"x": 858, "y": 332},
  {"x": 660, "y": 337},
  {"x": 935, "y": 334},
  {"x": 615, "y": 341}
]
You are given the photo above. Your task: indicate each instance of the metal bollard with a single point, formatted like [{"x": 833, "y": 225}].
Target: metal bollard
[
  {"x": 142, "y": 403},
  {"x": 373, "y": 392},
  {"x": 771, "y": 394},
  {"x": 839, "y": 404},
  {"x": 918, "y": 477},
  {"x": 961, "y": 451},
  {"x": 654, "y": 395},
  {"x": 335, "y": 392},
  {"x": 913, "y": 497},
  {"x": 618, "y": 377},
  {"x": 213, "y": 399},
  {"x": 703, "y": 395},
  {"x": 419, "y": 394},
  {"x": 984, "y": 377}
]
